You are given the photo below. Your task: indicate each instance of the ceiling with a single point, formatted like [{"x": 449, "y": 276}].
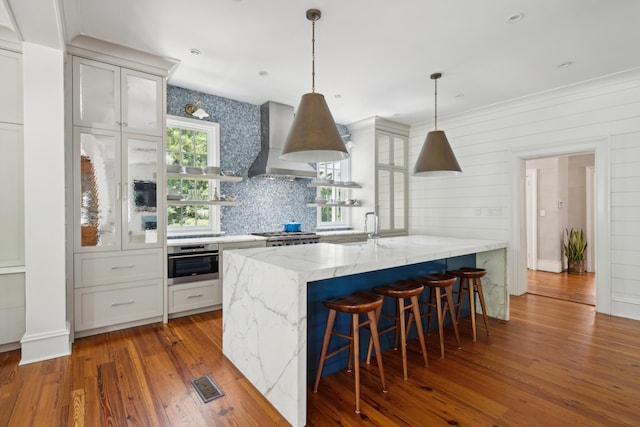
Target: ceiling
[{"x": 373, "y": 57}]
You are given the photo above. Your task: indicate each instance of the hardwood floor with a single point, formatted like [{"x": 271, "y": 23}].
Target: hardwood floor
[
  {"x": 580, "y": 288},
  {"x": 555, "y": 363}
]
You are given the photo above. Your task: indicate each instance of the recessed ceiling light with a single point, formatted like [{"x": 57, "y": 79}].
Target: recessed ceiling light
[
  {"x": 460, "y": 95},
  {"x": 194, "y": 52},
  {"x": 263, "y": 73},
  {"x": 516, "y": 17},
  {"x": 337, "y": 96},
  {"x": 565, "y": 64},
  {"x": 396, "y": 115}
]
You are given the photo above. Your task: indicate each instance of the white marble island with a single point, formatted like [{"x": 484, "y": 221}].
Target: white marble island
[{"x": 265, "y": 300}]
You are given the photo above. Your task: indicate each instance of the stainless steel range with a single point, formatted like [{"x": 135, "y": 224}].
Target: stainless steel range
[{"x": 287, "y": 238}]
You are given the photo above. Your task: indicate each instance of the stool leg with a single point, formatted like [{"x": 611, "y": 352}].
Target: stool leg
[
  {"x": 429, "y": 311},
  {"x": 449, "y": 292},
  {"x": 440, "y": 320},
  {"x": 403, "y": 336},
  {"x": 484, "y": 310},
  {"x": 350, "y": 359},
  {"x": 377, "y": 318},
  {"x": 416, "y": 315},
  {"x": 325, "y": 344},
  {"x": 461, "y": 293},
  {"x": 376, "y": 343},
  {"x": 355, "y": 336},
  {"x": 472, "y": 306}
]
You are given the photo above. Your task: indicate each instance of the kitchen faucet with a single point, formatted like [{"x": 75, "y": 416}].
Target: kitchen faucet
[{"x": 374, "y": 234}]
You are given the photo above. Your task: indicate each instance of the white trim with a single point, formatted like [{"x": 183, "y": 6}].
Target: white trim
[
  {"x": 532, "y": 218},
  {"x": 39, "y": 347},
  {"x": 552, "y": 266},
  {"x": 517, "y": 268},
  {"x": 590, "y": 211}
]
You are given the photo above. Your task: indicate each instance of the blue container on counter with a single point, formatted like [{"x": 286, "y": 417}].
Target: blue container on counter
[{"x": 292, "y": 226}]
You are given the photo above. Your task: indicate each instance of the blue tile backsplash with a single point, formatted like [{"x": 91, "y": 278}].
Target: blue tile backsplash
[{"x": 265, "y": 204}]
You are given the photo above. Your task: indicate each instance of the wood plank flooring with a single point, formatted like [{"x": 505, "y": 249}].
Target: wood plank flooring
[
  {"x": 555, "y": 363},
  {"x": 580, "y": 288}
]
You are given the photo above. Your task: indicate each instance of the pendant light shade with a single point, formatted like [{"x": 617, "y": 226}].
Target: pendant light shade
[
  {"x": 436, "y": 156},
  {"x": 313, "y": 136}
]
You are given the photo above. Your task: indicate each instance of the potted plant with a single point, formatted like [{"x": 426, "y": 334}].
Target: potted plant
[{"x": 574, "y": 249}]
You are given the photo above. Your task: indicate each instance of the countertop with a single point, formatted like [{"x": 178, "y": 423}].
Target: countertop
[
  {"x": 326, "y": 260},
  {"x": 246, "y": 238}
]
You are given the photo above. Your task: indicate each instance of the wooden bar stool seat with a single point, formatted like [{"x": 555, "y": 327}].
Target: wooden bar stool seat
[
  {"x": 402, "y": 290},
  {"x": 471, "y": 284},
  {"x": 437, "y": 283},
  {"x": 355, "y": 304}
]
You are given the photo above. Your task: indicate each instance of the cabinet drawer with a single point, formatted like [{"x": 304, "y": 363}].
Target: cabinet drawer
[
  {"x": 194, "y": 295},
  {"x": 112, "y": 304},
  {"x": 117, "y": 267}
]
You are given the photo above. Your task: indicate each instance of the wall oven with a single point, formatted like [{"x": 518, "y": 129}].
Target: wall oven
[{"x": 192, "y": 263}]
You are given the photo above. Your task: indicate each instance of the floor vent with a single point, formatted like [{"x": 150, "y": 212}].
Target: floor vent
[{"x": 206, "y": 388}]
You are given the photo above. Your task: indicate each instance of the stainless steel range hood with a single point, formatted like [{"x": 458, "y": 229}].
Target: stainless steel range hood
[{"x": 275, "y": 122}]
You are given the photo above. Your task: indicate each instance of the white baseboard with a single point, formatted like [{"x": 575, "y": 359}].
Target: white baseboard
[
  {"x": 45, "y": 346},
  {"x": 550, "y": 266}
]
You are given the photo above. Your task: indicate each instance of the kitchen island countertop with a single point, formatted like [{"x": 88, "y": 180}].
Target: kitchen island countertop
[{"x": 265, "y": 301}]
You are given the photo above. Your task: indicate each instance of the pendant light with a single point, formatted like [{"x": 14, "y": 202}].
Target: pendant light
[
  {"x": 313, "y": 136},
  {"x": 436, "y": 157}
]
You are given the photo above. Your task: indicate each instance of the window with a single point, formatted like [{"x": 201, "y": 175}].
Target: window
[
  {"x": 192, "y": 143},
  {"x": 333, "y": 215}
]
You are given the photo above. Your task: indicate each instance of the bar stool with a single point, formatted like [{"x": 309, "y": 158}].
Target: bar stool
[
  {"x": 355, "y": 304},
  {"x": 440, "y": 282},
  {"x": 470, "y": 284},
  {"x": 401, "y": 290}
]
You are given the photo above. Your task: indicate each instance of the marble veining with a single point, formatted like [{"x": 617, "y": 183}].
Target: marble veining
[{"x": 265, "y": 301}]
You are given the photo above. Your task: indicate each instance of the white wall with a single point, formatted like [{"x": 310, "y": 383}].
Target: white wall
[{"x": 490, "y": 143}]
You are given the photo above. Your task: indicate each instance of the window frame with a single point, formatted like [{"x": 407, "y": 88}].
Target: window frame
[
  {"x": 345, "y": 193},
  {"x": 212, "y": 129}
]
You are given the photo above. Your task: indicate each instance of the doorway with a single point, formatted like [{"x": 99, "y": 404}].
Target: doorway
[
  {"x": 566, "y": 202},
  {"x": 599, "y": 237}
]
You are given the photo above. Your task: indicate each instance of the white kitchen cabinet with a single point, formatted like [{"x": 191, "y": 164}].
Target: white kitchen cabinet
[
  {"x": 381, "y": 165},
  {"x": 117, "y": 267},
  {"x": 114, "y": 98},
  {"x": 12, "y": 308},
  {"x": 10, "y": 87},
  {"x": 12, "y": 212},
  {"x": 112, "y": 288},
  {"x": 116, "y": 189},
  {"x": 187, "y": 297},
  {"x": 117, "y": 304}
]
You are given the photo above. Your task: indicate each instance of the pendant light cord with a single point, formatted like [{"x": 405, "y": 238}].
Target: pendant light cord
[
  {"x": 313, "y": 56},
  {"x": 435, "y": 119}
]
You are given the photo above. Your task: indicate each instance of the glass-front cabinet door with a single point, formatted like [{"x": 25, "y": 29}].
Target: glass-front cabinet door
[
  {"x": 96, "y": 87},
  {"x": 142, "y": 103},
  {"x": 97, "y": 189},
  {"x": 140, "y": 163},
  {"x": 391, "y": 182}
]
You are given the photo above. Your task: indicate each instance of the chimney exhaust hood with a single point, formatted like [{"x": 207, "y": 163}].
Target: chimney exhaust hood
[{"x": 275, "y": 122}]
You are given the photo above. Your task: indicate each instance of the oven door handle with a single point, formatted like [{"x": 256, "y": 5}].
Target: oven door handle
[{"x": 193, "y": 255}]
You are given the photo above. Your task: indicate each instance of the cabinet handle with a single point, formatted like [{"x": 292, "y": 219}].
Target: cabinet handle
[
  {"x": 118, "y": 123},
  {"x": 125, "y": 124},
  {"x": 195, "y": 296},
  {"x": 120, "y": 267},
  {"x": 116, "y": 304}
]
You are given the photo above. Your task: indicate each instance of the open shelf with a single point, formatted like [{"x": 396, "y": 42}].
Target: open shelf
[
  {"x": 202, "y": 202},
  {"x": 333, "y": 184},
  {"x": 205, "y": 176},
  {"x": 334, "y": 205}
]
